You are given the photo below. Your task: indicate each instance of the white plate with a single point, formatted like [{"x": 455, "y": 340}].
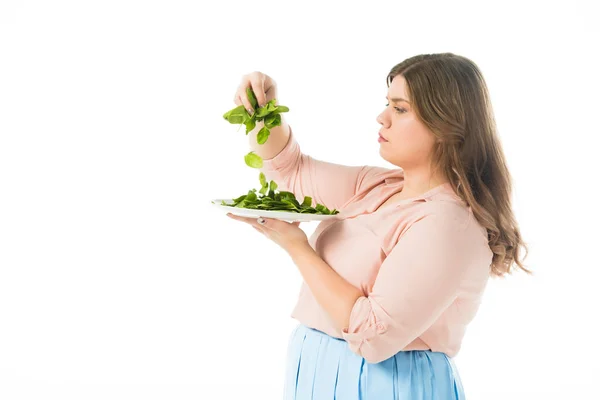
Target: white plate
[{"x": 281, "y": 215}]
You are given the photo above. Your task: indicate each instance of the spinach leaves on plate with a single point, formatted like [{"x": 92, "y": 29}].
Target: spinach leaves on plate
[{"x": 269, "y": 198}]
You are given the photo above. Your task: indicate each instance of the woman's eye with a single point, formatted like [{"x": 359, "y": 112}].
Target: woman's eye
[{"x": 399, "y": 110}]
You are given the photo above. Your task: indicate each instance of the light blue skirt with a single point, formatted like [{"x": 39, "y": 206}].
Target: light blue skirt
[{"x": 321, "y": 367}]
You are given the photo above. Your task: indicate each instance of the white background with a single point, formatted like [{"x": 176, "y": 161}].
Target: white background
[{"x": 118, "y": 280}]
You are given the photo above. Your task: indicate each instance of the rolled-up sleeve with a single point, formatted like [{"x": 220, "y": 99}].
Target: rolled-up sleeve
[{"x": 416, "y": 283}]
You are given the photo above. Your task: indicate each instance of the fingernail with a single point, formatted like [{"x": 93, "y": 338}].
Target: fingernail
[
  {"x": 261, "y": 221},
  {"x": 250, "y": 111}
]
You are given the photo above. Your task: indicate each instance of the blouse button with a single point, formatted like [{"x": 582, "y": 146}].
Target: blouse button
[{"x": 380, "y": 327}]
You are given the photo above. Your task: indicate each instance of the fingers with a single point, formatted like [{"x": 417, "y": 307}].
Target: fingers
[
  {"x": 251, "y": 221},
  {"x": 256, "y": 81},
  {"x": 243, "y": 97},
  {"x": 258, "y": 87},
  {"x": 237, "y": 100},
  {"x": 254, "y": 221}
]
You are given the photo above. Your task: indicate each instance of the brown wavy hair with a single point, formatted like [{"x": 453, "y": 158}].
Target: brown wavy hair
[{"x": 451, "y": 98}]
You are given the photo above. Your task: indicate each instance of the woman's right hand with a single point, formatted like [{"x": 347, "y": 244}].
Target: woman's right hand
[{"x": 263, "y": 86}]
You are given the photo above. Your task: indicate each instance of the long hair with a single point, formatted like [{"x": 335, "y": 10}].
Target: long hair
[{"x": 450, "y": 96}]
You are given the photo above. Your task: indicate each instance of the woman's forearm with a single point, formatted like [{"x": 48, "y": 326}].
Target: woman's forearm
[{"x": 332, "y": 292}]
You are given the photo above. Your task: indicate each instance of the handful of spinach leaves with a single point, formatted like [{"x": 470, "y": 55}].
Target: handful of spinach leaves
[
  {"x": 271, "y": 199},
  {"x": 270, "y": 114}
]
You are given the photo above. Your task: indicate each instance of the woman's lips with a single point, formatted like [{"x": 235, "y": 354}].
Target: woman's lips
[{"x": 382, "y": 139}]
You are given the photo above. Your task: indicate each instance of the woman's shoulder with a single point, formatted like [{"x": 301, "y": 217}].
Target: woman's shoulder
[
  {"x": 444, "y": 205},
  {"x": 450, "y": 213}
]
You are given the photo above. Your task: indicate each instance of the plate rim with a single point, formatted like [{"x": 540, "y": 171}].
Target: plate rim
[{"x": 320, "y": 217}]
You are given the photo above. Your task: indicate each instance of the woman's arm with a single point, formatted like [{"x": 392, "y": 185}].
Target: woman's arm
[
  {"x": 327, "y": 183},
  {"x": 331, "y": 291},
  {"x": 416, "y": 283}
]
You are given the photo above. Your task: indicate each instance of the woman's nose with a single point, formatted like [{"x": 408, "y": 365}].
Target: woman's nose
[{"x": 381, "y": 119}]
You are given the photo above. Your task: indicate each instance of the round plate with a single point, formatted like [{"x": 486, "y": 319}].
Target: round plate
[{"x": 281, "y": 215}]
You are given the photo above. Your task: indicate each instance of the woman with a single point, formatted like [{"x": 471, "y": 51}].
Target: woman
[{"x": 392, "y": 282}]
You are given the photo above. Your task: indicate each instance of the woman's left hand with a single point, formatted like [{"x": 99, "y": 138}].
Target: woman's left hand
[{"x": 288, "y": 235}]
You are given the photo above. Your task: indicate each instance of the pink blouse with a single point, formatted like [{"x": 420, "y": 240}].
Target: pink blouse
[{"x": 422, "y": 263}]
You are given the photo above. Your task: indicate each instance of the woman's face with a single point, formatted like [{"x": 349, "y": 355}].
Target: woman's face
[{"x": 409, "y": 142}]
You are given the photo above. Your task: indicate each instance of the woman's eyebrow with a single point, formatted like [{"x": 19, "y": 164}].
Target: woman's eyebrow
[{"x": 398, "y": 99}]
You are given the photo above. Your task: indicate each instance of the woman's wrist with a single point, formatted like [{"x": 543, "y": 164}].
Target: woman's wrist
[{"x": 299, "y": 249}]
